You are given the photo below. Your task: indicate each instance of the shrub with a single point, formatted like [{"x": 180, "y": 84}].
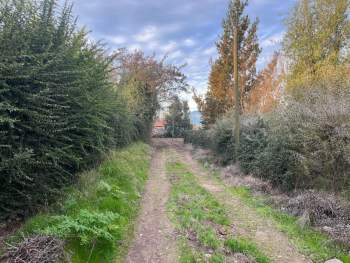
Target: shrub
[
  {"x": 277, "y": 162},
  {"x": 219, "y": 138},
  {"x": 253, "y": 142},
  {"x": 178, "y": 118},
  {"x": 95, "y": 217},
  {"x": 304, "y": 144},
  {"x": 222, "y": 140},
  {"x": 313, "y": 136},
  {"x": 59, "y": 113},
  {"x": 198, "y": 138}
]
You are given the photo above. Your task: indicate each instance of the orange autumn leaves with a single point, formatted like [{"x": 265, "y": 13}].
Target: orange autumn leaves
[{"x": 265, "y": 96}]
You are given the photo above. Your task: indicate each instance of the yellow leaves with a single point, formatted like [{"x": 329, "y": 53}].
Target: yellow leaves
[
  {"x": 323, "y": 75},
  {"x": 316, "y": 40}
]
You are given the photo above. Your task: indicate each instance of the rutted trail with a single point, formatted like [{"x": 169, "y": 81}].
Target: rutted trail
[
  {"x": 155, "y": 240},
  {"x": 246, "y": 221}
]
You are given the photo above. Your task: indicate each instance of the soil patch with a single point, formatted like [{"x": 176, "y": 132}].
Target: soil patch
[{"x": 155, "y": 238}]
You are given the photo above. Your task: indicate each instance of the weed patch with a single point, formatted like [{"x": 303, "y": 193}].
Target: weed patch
[
  {"x": 202, "y": 221},
  {"x": 96, "y": 217}
]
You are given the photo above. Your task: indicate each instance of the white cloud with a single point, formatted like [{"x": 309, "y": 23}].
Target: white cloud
[
  {"x": 176, "y": 55},
  {"x": 134, "y": 47},
  {"x": 272, "y": 40},
  {"x": 151, "y": 45},
  {"x": 118, "y": 40},
  {"x": 152, "y": 33},
  {"x": 169, "y": 47},
  {"x": 189, "y": 42},
  {"x": 210, "y": 51},
  {"x": 147, "y": 34}
]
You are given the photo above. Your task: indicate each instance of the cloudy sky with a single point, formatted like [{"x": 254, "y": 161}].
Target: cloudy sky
[{"x": 185, "y": 30}]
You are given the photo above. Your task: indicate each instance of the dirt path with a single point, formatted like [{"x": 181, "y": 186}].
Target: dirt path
[
  {"x": 247, "y": 222},
  {"x": 155, "y": 240}
]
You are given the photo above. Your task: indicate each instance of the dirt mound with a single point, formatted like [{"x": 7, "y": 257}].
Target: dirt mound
[{"x": 37, "y": 249}]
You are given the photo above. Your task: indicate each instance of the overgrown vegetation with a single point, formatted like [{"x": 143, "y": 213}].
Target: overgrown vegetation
[
  {"x": 303, "y": 141},
  {"x": 65, "y": 102},
  {"x": 145, "y": 84},
  {"x": 96, "y": 218},
  {"x": 314, "y": 137},
  {"x": 307, "y": 240},
  {"x": 203, "y": 224},
  {"x": 304, "y": 144}
]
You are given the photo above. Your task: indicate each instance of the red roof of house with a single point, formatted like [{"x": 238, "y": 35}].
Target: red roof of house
[{"x": 159, "y": 123}]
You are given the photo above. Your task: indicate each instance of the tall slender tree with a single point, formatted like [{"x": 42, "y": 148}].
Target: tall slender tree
[
  {"x": 237, "y": 126},
  {"x": 221, "y": 78}
]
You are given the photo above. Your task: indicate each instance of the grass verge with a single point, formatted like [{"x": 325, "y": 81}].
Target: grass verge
[
  {"x": 203, "y": 225},
  {"x": 309, "y": 241},
  {"x": 96, "y": 217}
]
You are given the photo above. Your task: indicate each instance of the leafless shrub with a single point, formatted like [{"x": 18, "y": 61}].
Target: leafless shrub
[
  {"x": 321, "y": 206},
  {"x": 234, "y": 176},
  {"x": 326, "y": 211},
  {"x": 38, "y": 249}
]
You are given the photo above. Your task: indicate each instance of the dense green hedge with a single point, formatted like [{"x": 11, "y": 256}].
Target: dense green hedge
[
  {"x": 59, "y": 112},
  {"x": 305, "y": 143},
  {"x": 96, "y": 216}
]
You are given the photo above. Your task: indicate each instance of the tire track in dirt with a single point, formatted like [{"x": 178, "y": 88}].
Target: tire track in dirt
[
  {"x": 155, "y": 239},
  {"x": 247, "y": 222}
]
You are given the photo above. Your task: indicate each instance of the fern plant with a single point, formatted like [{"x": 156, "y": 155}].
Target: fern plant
[{"x": 88, "y": 227}]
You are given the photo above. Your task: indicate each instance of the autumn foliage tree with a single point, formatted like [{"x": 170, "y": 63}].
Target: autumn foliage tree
[
  {"x": 220, "y": 96},
  {"x": 265, "y": 96},
  {"x": 145, "y": 84},
  {"x": 316, "y": 43}
]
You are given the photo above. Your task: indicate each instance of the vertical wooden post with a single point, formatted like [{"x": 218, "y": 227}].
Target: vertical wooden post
[
  {"x": 237, "y": 91},
  {"x": 173, "y": 132}
]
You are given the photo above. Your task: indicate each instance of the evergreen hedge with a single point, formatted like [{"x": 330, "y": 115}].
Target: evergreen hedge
[{"x": 59, "y": 111}]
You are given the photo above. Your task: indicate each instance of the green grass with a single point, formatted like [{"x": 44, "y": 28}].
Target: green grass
[
  {"x": 188, "y": 254},
  {"x": 309, "y": 241},
  {"x": 195, "y": 211},
  {"x": 96, "y": 216},
  {"x": 245, "y": 246}
]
